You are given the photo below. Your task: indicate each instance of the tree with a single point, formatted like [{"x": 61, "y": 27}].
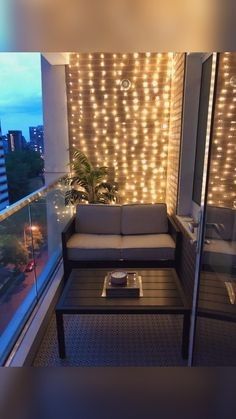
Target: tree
[
  {"x": 12, "y": 251},
  {"x": 21, "y": 167},
  {"x": 89, "y": 183},
  {"x": 33, "y": 236}
]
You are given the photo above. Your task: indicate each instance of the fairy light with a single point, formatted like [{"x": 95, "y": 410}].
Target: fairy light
[{"x": 127, "y": 130}]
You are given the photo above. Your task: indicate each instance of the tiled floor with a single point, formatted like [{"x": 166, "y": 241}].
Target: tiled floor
[
  {"x": 215, "y": 343},
  {"x": 115, "y": 340},
  {"x": 150, "y": 340}
]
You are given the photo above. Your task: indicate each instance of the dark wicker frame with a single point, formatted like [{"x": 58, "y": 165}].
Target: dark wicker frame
[{"x": 69, "y": 264}]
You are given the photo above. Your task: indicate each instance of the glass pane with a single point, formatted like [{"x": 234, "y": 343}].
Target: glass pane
[
  {"x": 21, "y": 129},
  {"x": 216, "y": 324},
  {"x": 30, "y": 247},
  {"x": 202, "y": 127},
  {"x": 49, "y": 216},
  {"x": 17, "y": 277}
]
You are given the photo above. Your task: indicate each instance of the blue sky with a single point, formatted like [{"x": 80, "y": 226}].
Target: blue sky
[{"x": 20, "y": 91}]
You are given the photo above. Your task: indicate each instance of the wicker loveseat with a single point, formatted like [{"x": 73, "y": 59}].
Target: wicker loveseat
[{"x": 119, "y": 235}]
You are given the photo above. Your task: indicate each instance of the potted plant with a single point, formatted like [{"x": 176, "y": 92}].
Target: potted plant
[{"x": 89, "y": 183}]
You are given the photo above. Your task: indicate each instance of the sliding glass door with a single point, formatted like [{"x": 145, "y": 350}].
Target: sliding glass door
[{"x": 213, "y": 327}]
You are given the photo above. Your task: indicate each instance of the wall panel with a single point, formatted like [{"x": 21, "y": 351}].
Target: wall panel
[
  {"x": 127, "y": 130},
  {"x": 176, "y": 101}
]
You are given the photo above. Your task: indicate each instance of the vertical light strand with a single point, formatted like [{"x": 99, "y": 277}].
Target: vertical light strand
[
  {"x": 208, "y": 130},
  {"x": 125, "y": 129},
  {"x": 176, "y": 74}
]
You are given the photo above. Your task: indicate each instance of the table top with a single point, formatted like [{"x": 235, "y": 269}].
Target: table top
[{"x": 162, "y": 293}]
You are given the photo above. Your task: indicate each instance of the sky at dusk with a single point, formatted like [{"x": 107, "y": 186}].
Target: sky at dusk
[{"x": 20, "y": 92}]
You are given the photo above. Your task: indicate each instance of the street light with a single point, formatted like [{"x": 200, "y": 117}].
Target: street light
[
  {"x": 29, "y": 228},
  {"x": 34, "y": 228}
]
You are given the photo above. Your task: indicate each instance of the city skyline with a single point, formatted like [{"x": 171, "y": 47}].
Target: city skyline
[
  {"x": 21, "y": 92},
  {"x": 41, "y": 126}
]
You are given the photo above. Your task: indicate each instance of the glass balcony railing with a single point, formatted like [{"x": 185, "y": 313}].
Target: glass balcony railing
[{"x": 30, "y": 248}]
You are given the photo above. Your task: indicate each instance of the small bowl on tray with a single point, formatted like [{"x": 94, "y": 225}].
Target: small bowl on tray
[{"x": 119, "y": 278}]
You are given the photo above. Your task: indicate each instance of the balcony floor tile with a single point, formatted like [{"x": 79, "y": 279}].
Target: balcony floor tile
[
  {"x": 137, "y": 340},
  {"x": 115, "y": 340}
]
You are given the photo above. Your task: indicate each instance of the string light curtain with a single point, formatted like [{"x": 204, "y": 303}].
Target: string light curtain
[
  {"x": 123, "y": 127},
  {"x": 222, "y": 183},
  {"x": 175, "y": 131}
]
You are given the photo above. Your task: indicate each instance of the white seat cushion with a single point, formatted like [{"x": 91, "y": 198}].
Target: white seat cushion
[
  {"x": 148, "y": 247},
  {"x": 94, "y": 247}
]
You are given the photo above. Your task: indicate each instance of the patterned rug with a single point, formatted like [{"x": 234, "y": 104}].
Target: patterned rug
[
  {"x": 136, "y": 340},
  {"x": 215, "y": 343},
  {"x": 115, "y": 340}
]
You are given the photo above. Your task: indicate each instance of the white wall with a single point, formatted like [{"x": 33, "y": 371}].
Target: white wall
[
  {"x": 56, "y": 142},
  {"x": 55, "y": 119},
  {"x": 189, "y": 132}
]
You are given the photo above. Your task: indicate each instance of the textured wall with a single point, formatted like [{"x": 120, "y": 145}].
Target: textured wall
[
  {"x": 176, "y": 101},
  {"x": 222, "y": 185},
  {"x": 127, "y": 130}
]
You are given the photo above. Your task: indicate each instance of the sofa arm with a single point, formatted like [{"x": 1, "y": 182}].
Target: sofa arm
[
  {"x": 65, "y": 235},
  {"x": 173, "y": 229}
]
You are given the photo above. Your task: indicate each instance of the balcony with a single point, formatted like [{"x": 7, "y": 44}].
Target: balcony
[
  {"x": 31, "y": 272},
  {"x": 156, "y": 146}
]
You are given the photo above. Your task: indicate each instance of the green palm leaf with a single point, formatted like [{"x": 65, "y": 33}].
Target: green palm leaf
[
  {"x": 82, "y": 160},
  {"x": 73, "y": 196},
  {"x": 89, "y": 183}
]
